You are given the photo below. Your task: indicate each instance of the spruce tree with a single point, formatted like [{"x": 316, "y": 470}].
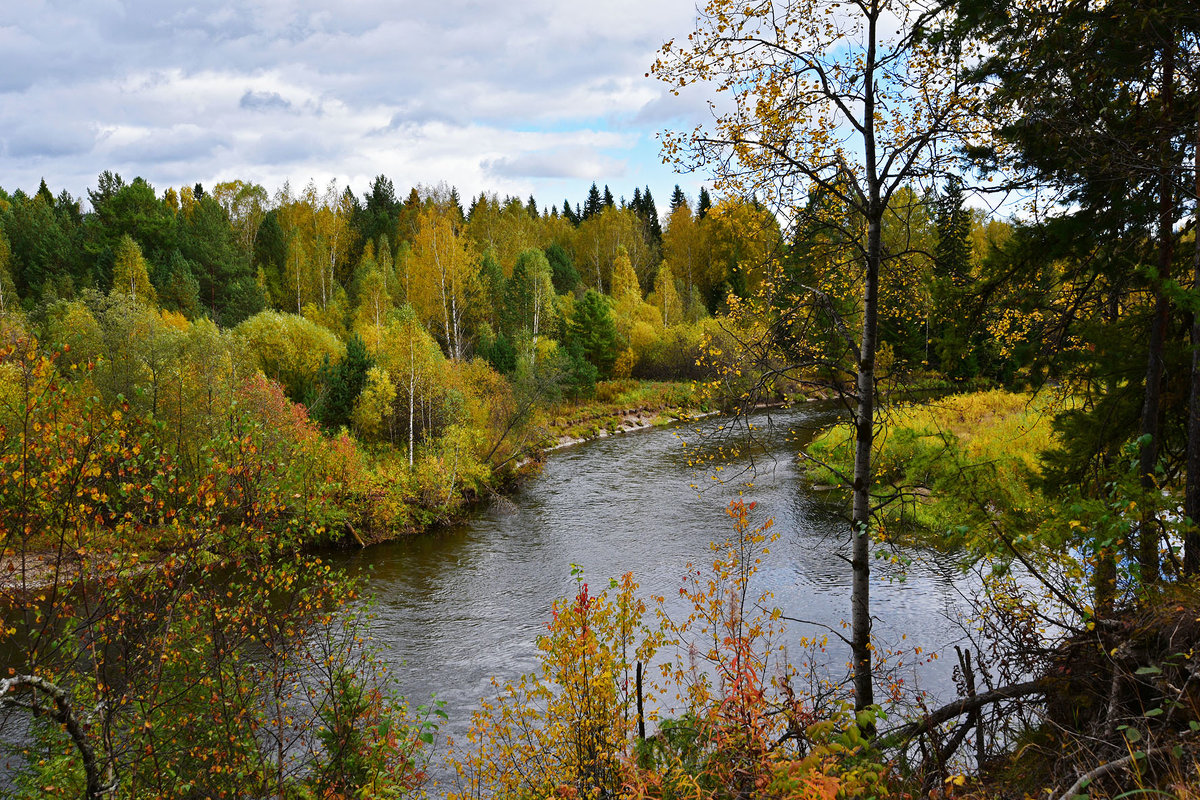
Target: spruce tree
[
  {"x": 570, "y": 214},
  {"x": 678, "y": 199},
  {"x": 650, "y": 214},
  {"x": 342, "y": 384},
  {"x": 594, "y": 203}
]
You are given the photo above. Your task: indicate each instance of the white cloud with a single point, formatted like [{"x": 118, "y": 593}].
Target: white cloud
[{"x": 533, "y": 96}]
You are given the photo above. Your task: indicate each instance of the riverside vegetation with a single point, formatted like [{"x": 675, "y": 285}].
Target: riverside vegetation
[{"x": 197, "y": 386}]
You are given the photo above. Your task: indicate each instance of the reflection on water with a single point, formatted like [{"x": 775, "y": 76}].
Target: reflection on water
[{"x": 456, "y": 607}]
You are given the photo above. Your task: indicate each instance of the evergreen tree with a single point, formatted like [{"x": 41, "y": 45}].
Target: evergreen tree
[
  {"x": 45, "y": 193},
  {"x": 531, "y": 207},
  {"x": 650, "y": 214},
  {"x": 456, "y": 206},
  {"x": 133, "y": 210},
  {"x": 502, "y": 355},
  {"x": 1097, "y": 102},
  {"x": 562, "y": 269},
  {"x": 341, "y": 384},
  {"x": 579, "y": 374},
  {"x": 376, "y": 216},
  {"x": 594, "y": 203},
  {"x": 947, "y": 330},
  {"x": 678, "y": 199},
  {"x": 180, "y": 291},
  {"x": 593, "y": 332},
  {"x": 46, "y": 252},
  {"x": 207, "y": 240},
  {"x": 608, "y": 197},
  {"x": 270, "y": 255},
  {"x": 703, "y": 204},
  {"x": 107, "y": 185},
  {"x": 570, "y": 214}
]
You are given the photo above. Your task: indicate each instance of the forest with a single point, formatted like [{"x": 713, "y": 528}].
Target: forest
[{"x": 203, "y": 388}]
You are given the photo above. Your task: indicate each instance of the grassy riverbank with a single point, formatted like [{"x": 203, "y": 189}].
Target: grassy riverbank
[
  {"x": 944, "y": 461},
  {"x": 622, "y": 405}
]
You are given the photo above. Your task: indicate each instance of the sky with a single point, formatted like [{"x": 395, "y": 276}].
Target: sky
[{"x": 521, "y": 97}]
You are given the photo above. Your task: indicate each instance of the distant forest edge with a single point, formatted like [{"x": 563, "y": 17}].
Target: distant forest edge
[{"x": 403, "y": 356}]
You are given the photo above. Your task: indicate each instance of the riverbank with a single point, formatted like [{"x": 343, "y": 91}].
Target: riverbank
[{"x": 948, "y": 461}]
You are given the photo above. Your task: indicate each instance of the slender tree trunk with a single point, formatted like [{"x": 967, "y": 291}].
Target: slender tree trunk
[
  {"x": 860, "y": 519},
  {"x": 1105, "y": 576},
  {"x": 1191, "y": 549},
  {"x": 412, "y": 394},
  {"x": 455, "y": 350},
  {"x": 864, "y": 423},
  {"x": 297, "y": 285},
  {"x": 1152, "y": 399},
  {"x": 446, "y": 312}
]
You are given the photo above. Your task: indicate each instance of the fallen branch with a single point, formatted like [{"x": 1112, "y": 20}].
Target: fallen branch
[
  {"x": 958, "y": 708},
  {"x": 1112, "y": 766}
]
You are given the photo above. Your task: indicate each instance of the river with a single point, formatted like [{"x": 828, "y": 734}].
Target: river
[{"x": 455, "y": 607}]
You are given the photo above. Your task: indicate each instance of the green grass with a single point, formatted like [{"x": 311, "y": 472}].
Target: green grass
[
  {"x": 584, "y": 420},
  {"x": 958, "y": 458}
]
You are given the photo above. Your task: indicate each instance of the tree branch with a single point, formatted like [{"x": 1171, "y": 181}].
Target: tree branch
[{"x": 98, "y": 784}]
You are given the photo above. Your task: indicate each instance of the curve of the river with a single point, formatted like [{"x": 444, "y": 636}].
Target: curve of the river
[{"x": 455, "y": 607}]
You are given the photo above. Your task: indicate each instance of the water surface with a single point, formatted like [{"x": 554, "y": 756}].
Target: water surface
[{"x": 458, "y": 606}]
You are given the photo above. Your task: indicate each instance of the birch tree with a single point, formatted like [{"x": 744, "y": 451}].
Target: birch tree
[
  {"x": 842, "y": 98},
  {"x": 443, "y": 268}
]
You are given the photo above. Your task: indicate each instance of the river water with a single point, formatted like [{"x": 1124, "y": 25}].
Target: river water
[{"x": 455, "y": 607}]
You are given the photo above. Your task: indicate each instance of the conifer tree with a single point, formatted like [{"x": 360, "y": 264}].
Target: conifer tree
[
  {"x": 593, "y": 332},
  {"x": 650, "y": 214},
  {"x": 562, "y": 269},
  {"x": 594, "y": 203},
  {"x": 342, "y": 383},
  {"x": 570, "y": 214}
]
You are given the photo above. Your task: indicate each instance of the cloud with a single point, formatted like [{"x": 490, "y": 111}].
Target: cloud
[
  {"x": 47, "y": 142},
  {"x": 568, "y": 163},
  {"x": 264, "y": 101},
  {"x": 184, "y": 143},
  {"x": 531, "y": 95}
]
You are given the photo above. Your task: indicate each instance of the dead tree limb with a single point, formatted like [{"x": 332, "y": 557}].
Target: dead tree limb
[
  {"x": 959, "y": 707},
  {"x": 1112, "y": 766}
]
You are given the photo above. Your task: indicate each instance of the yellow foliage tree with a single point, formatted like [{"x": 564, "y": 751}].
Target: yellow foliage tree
[
  {"x": 130, "y": 276},
  {"x": 666, "y": 298},
  {"x": 845, "y": 100},
  {"x": 8, "y": 290},
  {"x": 598, "y": 240},
  {"x": 443, "y": 267},
  {"x": 686, "y": 250},
  {"x": 287, "y": 347},
  {"x": 372, "y": 416},
  {"x": 625, "y": 280}
]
